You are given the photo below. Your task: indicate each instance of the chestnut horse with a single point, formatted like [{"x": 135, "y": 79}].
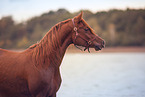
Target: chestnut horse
[{"x": 35, "y": 71}]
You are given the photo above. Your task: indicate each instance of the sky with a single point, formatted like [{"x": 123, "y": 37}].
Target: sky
[{"x": 22, "y": 10}]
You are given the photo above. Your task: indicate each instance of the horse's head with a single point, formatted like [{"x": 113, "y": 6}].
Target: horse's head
[{"x": 84, "y": 35}]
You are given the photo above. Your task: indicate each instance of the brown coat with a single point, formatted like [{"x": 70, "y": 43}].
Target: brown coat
[{"x": 35, "y": 71}]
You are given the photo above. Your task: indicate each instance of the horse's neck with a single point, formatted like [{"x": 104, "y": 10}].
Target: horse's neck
[{"x": 50, "y": 52}]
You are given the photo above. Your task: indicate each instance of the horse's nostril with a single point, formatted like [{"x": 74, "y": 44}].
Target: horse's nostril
[{"x": 103, "y": 44}]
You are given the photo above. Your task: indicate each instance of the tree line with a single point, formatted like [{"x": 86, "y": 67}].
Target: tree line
[{"x": 117, "y": 27}]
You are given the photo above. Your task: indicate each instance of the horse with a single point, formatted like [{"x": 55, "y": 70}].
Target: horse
[{"x": 35, "y": 72}]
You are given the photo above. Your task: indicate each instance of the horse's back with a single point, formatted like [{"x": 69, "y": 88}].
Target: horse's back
[
  {"x": 10, "y": 60},
  {"x": 6, "y": 56},
  {"x": 3, "y": 52},
  {"x": 12, "y": 76}
]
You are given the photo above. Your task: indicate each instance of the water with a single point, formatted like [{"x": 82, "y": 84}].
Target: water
[{"x": 103, "y": 75}]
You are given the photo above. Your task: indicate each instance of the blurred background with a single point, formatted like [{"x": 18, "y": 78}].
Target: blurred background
[
  {"x": 117, "y": 72},
  {"x": 24, "y": 22}
]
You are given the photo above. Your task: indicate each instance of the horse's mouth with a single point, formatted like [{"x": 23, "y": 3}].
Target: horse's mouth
[{"x": 97, "y": 48}]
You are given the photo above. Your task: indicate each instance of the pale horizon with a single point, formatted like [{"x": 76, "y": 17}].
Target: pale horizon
[{"x": 22, "y": 10}]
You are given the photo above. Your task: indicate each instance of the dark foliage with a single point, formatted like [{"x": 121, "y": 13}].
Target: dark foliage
[{"x": 117, "y": 27}]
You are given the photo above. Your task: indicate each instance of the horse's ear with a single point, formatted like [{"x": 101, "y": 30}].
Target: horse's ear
[{"x": 79, "y": 17}]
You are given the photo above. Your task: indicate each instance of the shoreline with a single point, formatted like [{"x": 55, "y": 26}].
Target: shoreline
[
  {"x": 104, "y": 50},
  {"x": 109, "y": 50}
]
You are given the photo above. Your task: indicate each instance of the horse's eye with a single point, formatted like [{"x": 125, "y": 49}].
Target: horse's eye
[{"x": 86, "y": 29}]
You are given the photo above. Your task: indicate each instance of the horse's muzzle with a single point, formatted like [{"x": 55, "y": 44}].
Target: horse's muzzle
[{"x": 99, "y": 46}]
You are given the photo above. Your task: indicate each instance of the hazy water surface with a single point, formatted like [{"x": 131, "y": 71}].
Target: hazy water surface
[{"x": 103, "y": 75}]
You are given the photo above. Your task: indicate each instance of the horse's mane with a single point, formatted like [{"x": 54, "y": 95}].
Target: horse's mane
[{"x": 48, "y": 45}]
